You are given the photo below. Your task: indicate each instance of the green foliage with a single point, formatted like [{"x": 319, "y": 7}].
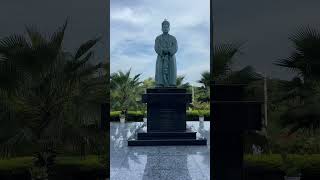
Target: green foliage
[
  {"x": 223, "y": 55},
  {"x": 131, "y": 115},
  {"x": 302, "y": 116},
  {"x": 15, "y": 163},
  {"x": 124, "y": 90},
  {"x": 65, "y": 168},
  {"x": 49, "y": 98},
  {"x": 289, "y": 166},
  {"x": 308, "y": 165},
  {"x": 200, "y": 105},
  {"x": 148, "y": 83},
  {"x": 199, "y": 108},
  {"x": 192, "y": 115},
  {"x": 205, "y": 79},
  {"x": 39, "y": 173},
  {"x": 304, "y": 60},
  {"x": 301, "y": 93},
  {"x": 298, "y": 143},
  {"x": 242, "y": 76},
  {"x": 46, "y": 159},
  {"x": 181, "y": 84}
]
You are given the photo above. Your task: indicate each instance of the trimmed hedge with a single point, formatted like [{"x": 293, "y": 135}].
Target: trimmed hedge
[
  {"x": 138, "y": 115},
  {"x": 262, "y": 167},
  {"x": 266, "y": 167},
  {"x": 71, "y": 168}
]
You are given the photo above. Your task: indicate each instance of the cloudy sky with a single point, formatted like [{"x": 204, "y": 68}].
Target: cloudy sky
[
  {"x": 264, "y": 25},
  {"x": 87, "y": 19},
  {"x": 136, "y": 23}
]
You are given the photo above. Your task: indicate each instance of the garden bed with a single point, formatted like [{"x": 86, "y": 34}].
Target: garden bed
[
  {"x": 267, "y": 167},
  {"x": 262, "y": 167},
  {"x": 71, "y": 168},
  {"x": 137, "y": 116}
]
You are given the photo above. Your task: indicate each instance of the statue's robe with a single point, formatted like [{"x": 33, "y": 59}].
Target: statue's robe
[{"x": 166, "y": 68}]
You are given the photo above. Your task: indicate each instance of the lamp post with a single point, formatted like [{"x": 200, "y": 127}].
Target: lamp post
[
  {"x": 265, "y": 96},
  {"x": 265, "y": 88}
]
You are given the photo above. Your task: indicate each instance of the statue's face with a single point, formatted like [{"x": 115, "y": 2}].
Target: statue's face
[{"x": 165, "y": 28}]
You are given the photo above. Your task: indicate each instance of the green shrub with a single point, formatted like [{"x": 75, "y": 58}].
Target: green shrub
[
  {"x": 270, "y": 166},
  {"x": 192, "y": 115},
  {"x": 71, "y": 168},
  {"x": 115, "y": 113},
  {"x": 131, "y": 116}
]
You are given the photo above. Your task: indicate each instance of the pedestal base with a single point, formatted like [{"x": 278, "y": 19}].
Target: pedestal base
[
  {"x": 166, "y": 119},
  {"x": 167, "y": 139},
  {"x": 171, "y": 142}
]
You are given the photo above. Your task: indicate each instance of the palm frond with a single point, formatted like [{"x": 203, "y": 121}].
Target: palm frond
[
  {"x": 243, "y": 76},
  {"x": 56, "y": 39},
  {"x": 205, "y": 79},
  {"x": 305, "y": 59},
  {"x": 223, "y": 58},
  {"x": 84, "y": 48},
  {"x": 35, "y": 37}
]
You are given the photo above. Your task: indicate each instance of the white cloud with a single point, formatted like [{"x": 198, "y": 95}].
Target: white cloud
[
  {"x": 134, "y": 28},
  {"x": 129, "y": 15}
]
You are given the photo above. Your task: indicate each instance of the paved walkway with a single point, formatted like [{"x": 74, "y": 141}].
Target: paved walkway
[{"x": 157, "y": 162}]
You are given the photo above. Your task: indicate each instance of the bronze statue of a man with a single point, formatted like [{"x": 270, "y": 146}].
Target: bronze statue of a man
[{"x": 166, "y": 47}]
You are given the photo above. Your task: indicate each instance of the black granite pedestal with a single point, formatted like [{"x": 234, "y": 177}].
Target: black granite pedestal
[{"x": 166, "y": 119}]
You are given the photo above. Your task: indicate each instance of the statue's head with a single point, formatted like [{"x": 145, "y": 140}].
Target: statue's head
[{"x": 165, "y": 26}]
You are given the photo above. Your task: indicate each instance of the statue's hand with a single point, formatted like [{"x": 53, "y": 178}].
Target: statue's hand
[{"x": 165, "y": 52}]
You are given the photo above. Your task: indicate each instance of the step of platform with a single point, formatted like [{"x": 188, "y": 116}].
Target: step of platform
[
  {"x": 166, "y": 135},
  {"x": 168, "y": 142}
]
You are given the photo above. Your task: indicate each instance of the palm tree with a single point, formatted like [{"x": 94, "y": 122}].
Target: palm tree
[
  {"x": 224, "y": 55},
  {"x": 149, "y": 83},
  {"x": 180, "y": 83},
  {"x": 124, "y": 90},
  {"x": 302, "y": 116},
  {"x": 49, "y": 99},
  {"x": 302, "y": 90},
  {"x": 205, "y": 79},
  {"x": 305, "y": 58},
  {"x": 245, "y": 75},
  {"x": 223, "y": 58}
]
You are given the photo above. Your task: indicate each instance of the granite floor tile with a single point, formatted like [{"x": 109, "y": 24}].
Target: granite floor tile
[
  {"x": 157, "y": 162},
  {"x": 137, "y": 175},
  {"x": 140, "y": 162},
  {"x": 173, "y": 150},
  {"x": 141, "y": 150},
  {"x": 203, "y": 162},
  {"x": 181, "y": 174}
]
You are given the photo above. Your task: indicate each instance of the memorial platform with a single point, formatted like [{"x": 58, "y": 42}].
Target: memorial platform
[{"x": 166, "y": 116}]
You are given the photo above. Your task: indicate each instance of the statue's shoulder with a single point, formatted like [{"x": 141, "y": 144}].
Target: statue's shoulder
[
  {"x": 158, "y": 37},
  {"x": 172, "y": 37}
]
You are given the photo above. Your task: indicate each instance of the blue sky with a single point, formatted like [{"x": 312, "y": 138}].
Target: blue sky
[{"x": 134, "y": 25}]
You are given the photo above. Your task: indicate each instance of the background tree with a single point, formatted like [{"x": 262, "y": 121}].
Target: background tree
[
  {"x": 181, "y": 84},
  {"x": 223, "y": 55},
  {"x": 303, "y": 90},
  {"x": 124, "y": 90},
  {"x": 49, "y": 98},
  {"x": 205, "y": 79}
]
